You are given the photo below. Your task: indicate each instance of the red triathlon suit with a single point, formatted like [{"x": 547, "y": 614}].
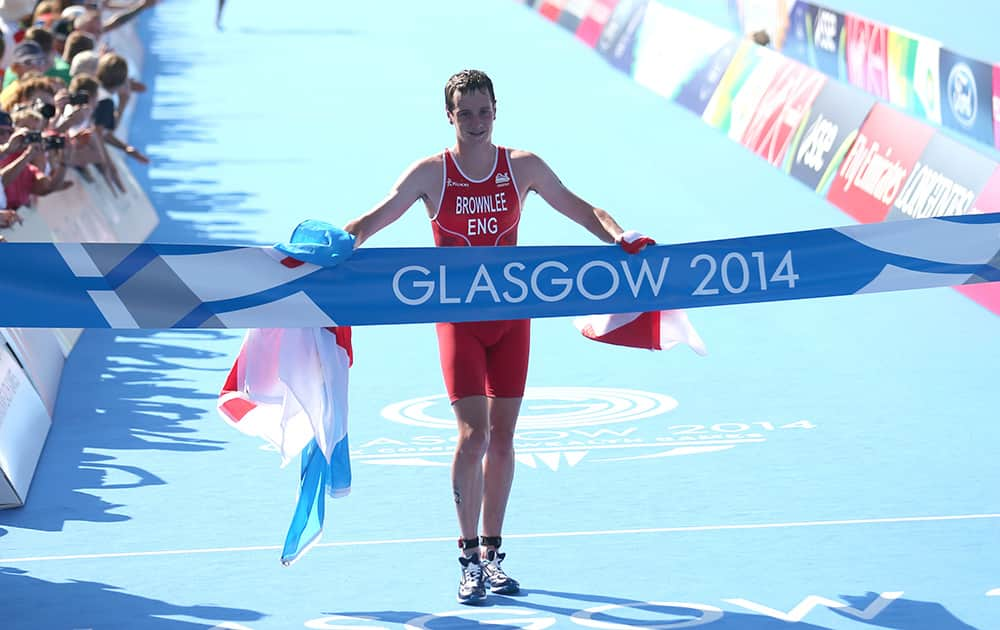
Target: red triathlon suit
[{"x": 481, "y": 358}]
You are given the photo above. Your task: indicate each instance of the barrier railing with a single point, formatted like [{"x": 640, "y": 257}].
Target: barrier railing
[
  {"x": 32, "y": 359},
  {"x": 871, "y": 160}
]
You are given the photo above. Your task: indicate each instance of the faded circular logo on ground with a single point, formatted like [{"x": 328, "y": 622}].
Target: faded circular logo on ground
[{"x": 546, "y": 408}]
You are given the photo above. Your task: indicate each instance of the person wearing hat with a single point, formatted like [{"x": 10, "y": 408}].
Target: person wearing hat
[
  {"x": 57, "y": 66},
  {"x": 28, "y": 57}
]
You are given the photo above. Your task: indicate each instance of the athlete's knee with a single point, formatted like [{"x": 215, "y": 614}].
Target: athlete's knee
[
  {"x": 501, "y": 441},
  {"x": 473, "y": 441}
]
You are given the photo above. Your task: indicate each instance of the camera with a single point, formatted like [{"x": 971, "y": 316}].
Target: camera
[
  {"x": 51, "y": 143},
  {"x": 79, "y": 98},
  {"x": 48, "y": 110},
  {"x": 33, "y": 136}
]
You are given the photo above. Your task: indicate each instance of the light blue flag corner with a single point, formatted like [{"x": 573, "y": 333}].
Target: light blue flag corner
[{"x": 317, "y": 480}]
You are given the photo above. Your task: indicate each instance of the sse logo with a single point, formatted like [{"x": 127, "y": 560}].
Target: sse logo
[{"x": 962, "y": 94}]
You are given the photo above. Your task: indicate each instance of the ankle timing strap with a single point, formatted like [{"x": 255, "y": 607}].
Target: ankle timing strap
[
  {"x": 468, "y": 543},
  {"x": 490, "y": 541}
]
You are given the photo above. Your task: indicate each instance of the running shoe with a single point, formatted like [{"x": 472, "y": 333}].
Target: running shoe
[
  {"x": 494, "y": 576},
  {"x": 471, "y": 589}
]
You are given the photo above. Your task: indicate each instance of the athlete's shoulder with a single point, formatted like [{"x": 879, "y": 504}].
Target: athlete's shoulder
[
  {"x": 524, "y": 158},
  {"x": 519, "y": 154},
  {"x": 424, "y": 171},
  {"x": 527, "y": 164},
  {"x": 429, "y": 162}
]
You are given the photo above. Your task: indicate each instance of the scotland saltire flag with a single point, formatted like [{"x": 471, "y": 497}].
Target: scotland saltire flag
[{"x": 289, "y": 387}]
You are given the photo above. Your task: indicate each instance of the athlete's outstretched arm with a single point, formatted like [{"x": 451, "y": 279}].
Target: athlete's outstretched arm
[
  {"x": 409, "y": 188},
  {"x": 544, "y": 181}
]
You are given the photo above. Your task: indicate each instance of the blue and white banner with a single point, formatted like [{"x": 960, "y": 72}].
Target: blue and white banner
[{"x": 109, "y": 285}]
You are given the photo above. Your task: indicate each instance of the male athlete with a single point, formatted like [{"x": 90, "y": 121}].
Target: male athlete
[{"x": 473, "y": 193}]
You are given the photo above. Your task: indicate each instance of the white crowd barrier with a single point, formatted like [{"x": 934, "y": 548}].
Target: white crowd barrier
[{"x": 32, "y": 359}]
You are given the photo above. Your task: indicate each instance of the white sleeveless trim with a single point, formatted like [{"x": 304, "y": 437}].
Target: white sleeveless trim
[{"x": 493, "y": 169}]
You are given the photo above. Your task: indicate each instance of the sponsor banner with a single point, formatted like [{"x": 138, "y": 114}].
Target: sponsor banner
[
  {"x": 551, "y": 9},
  {"x": 91, "y": 211},
  {"x": 719, "y": 109},
  {"x": 966, "y": 96},
  {"x": 617, "y": 41},
  {"x": 784, "y": 104},
  {"x": 914, "y": 74},
  {"x": 750, "y": 94},
  {"x": 866, "y": 55},
  {"x": 826, "y": 134},
  {"x": 989, "y": 198},
  {"x": 817, "y": 37},
  {"x": 573, "y": 13},
  {"x": 113, "y": 285},
  {"x": 24, "y": 425},
  {"x": 699, "y": 88},
  {"x": 594, "y": 21},
  {"x": 797, "y": 41},
  {"x": 671, "y": 47},
  {"x": 40, "y": 353},
  {"x": 878, "y": 164},
  {"x": 944, "y": 182}
]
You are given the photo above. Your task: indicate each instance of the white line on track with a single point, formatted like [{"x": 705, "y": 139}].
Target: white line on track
[{"x": 598, "y": 532}]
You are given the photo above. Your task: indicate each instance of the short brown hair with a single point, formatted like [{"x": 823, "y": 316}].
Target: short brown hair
[
  {"x": 464, "y": 82},
  {"x": 112, "y": 71},
  {"x": 41, "y": 37},
  {"x": 84, "y": 82},
  {"x": 76, "y": 43},
  {"x": 24, "y": 89}
]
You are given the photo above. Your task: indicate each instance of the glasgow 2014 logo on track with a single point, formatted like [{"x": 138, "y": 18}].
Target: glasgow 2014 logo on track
[
  {"x": 560, "y": 427},
  {"x": 546, "y": 408}
]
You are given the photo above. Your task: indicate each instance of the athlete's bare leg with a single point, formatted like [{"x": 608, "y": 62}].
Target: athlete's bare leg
[
  {"x": 498, "y": 467},
  {"x": 472, "y": 413}
]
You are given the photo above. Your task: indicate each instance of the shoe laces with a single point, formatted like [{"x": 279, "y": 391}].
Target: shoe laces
[
  {"x": 472, "y": 571},
  {"x": 493, "y": 560}
]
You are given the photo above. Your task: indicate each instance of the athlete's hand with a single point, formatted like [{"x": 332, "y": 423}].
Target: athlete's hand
[
  {"x": 319, "y": 243},
  {"x": 633, "y": 242},
  {"x": 9, "y": 218}
]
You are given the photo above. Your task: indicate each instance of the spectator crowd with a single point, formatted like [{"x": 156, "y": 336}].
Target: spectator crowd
[{"x": 64, "y": 90}]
